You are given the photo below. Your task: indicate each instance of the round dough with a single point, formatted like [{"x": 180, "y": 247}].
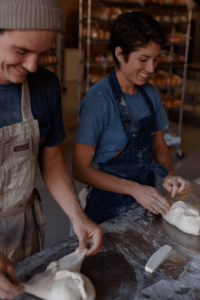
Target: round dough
[
  {"x": 62, "y": 280},
  {"x": 184, "y": 217}
]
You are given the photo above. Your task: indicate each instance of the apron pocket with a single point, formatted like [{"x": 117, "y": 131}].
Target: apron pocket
[
  {"x": 20, "y": 166},
  {"x": 16, "y": 164},
  {"x": 21, "y": 148}
]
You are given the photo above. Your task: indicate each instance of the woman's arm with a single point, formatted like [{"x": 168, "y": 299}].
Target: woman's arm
[
  {"x": 162, "y": 156},
  {"x": 161, "y": 152},
  {"x": 82, "y": 171}
]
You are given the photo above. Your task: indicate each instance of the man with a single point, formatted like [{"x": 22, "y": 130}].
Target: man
[{"x": 31, "y": 128}]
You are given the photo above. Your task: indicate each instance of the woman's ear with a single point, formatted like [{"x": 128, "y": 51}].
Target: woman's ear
[{"x": 118, "y": 54}]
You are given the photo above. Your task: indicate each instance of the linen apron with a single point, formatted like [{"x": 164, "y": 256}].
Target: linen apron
[
  {"x": 134, "y": 162},
  {"x": 21, "y": 216}
]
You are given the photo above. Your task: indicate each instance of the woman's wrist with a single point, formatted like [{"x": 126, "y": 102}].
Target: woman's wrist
[
  {"x": 171, "y": 172},
  {"x": 133, "y": 188}
]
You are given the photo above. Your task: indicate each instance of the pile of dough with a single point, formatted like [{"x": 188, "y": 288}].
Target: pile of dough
[
  {"x": 184, "y": 217},
  {"x": 62, "y": 280}
]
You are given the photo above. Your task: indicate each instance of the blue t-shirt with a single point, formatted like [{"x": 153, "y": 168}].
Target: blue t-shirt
[
  {"x": 100, "y": 123},
  {"x": 45, "y": 97}
]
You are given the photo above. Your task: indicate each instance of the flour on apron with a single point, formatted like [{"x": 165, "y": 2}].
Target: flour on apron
[
  {"x": 135, "y": 161},
  {"x": 21, "y": 216}
]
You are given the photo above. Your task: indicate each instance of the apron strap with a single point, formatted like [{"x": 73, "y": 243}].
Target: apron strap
[
  {"x": 121, "y": 103},
  {"x": 157, "y": 168},
  {"x": 26, "y": 102}
]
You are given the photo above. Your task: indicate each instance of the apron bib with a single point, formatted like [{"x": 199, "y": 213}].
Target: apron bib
[
  {"x": 21, "y": 214},
  {"x": 134, "y": 162}
]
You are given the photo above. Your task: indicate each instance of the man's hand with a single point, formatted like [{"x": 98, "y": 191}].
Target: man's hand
[
  {"x": 88, "y": 232},
  {"x": 172, "y": 182},
  {"x": 9, "y": 288},
  {"x": 151, "y": 199}
]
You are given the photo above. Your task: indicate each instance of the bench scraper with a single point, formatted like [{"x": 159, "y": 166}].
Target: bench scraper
[{"x": 168, "y": 262}]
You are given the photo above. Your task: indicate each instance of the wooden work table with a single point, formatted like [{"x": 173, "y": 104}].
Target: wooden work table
[{"x": 117, "y": 272}]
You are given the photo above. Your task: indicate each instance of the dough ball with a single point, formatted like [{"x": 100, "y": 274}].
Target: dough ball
[
  {"x": 62, "y": 280},
  {"x": 185, "y": 217}
]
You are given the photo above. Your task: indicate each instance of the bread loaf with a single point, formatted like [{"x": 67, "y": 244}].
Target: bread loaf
[
  {"x": 98, "y": 58},
  {"x": 50, "y": 59},
  {"x": 176, "y": 37}
]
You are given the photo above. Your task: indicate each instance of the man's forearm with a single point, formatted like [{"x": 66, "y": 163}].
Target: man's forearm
[{"x": 60, "y": 184}]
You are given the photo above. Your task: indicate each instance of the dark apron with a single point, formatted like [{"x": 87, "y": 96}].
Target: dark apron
[{"x": 135, "y": 161}]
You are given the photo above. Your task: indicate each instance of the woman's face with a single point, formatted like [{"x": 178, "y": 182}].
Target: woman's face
[{"x": 141, "y": 63}]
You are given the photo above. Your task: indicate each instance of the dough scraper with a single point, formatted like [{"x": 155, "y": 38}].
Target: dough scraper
[{"x": 168, "y": 262}]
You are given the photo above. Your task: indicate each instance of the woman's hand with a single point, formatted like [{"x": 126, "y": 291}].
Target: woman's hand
[
  {"x": 9, "y": 288},
  {"x": 174, "y": 184},
  {"x": 151, "y": 199}
]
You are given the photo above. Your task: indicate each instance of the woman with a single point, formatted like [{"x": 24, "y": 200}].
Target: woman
[{"x": 121, "y": 127}]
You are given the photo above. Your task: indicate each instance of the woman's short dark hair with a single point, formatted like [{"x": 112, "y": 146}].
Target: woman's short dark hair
[{"x": 133, "y": 30}]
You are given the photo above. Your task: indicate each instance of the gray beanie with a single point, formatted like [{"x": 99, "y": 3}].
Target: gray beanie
[{"x": 31, "y": 14}]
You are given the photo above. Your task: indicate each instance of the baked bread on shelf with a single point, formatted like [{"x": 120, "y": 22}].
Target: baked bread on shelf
[
  {"x": 176, "y": 37},
  {"x": 96, "y": 33},
  {"x": 170, "y": 101},
  {"x": 100, "y": 58},
  {"x": 162, "y": 78},
  {"x": 152, "y": 1},
  {"x": 170, "y": 58},
  {"x": 170, "y": 18},
  {"x": 50, "y": 59}
]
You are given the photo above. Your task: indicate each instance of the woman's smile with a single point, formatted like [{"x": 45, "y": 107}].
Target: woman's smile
[{"x": 144, "y": 76}]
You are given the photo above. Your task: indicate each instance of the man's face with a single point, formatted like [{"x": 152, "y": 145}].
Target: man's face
[{"x": 21, "y": 51}]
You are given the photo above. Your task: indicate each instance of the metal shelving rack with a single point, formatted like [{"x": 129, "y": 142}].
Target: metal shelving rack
[{"x": 138, "y": 5}]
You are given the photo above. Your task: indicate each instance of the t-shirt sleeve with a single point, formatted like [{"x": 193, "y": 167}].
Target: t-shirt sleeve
[
  {"x": 56, "y": 133},
  {"x": 93, "y": 119},
  {"x": 161, "y": 117}
]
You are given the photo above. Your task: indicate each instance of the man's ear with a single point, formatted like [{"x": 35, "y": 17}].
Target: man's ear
[{"x": 118, "y": 54}]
